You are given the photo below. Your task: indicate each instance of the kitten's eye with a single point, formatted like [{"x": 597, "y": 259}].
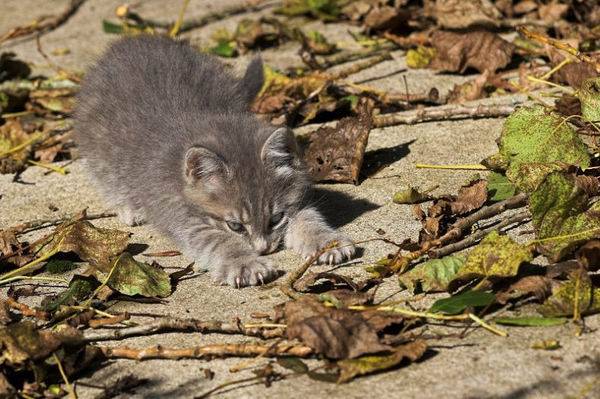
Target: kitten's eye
[
  {"x": 276, "y": 219},
  {"x": 235, "y": 226}
]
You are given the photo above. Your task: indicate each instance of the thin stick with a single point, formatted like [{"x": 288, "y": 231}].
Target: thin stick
[
  {"x": 53, "y": 168},
  {"x": 543, "y": 39},
  {"x": 487, "y": 326},
  {"x": 30, "y": 267},
  {"x": 477, "y": 236},
  {"x": 442, "y": 113},
  {"x": 207, "y": 351},
  {"x": 175, "y": 30},
  {"x": 451, "y": 167},
  {"x": 227, "y": 12},
  {"x": 26, "y": 310},
  {"x": 44, "y": 24},
  {"x": 45, "y": 223},
  {"x": 172, "y": 324},
  {"x": 34, "y": 139},
  {"x": 70, "y": 389}
]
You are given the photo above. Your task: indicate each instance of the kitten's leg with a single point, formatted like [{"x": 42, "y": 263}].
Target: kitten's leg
[
  {"x": 130, "y": 216},
  {"x": 308, "y": 233},
  {"x": 229, "y": 259}
]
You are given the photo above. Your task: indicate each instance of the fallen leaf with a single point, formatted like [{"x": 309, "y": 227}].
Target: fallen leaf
[
  {"x": 574, "y": 74},
  {"x": 131, "y": 277},
  {"x": 499, "y": 187},
  {"x": 433, "y": 275},
  {"x": 335, "y": 333},
  {"x": 385, "y": 18},
  {"x": 80, "y": 288},
  {"x": 326, "y": 10},
  {"x": 547, "y": 344},
  {"x": 469, "y": 91},
  {"x": 534, "y": 142},
  {"x": 560, "y": 216},
  {"x": 589, "y": 95},
  {"x": 460, "y": 14},
  {"x": 336, "y": 153},
  {"x": 92, "y": 244},
  {"x": 410, "y": 195},
  {"x": 553, "y": 11},
  {"x": 293, "y": 363},
  {"x": 351, "y": 368},
  {"x": 495, "y": 257},
  {"x": 342, "y": 298},
  {"x": 309, "y": 279},
  {"x": 531, "y": 321},
  {"x": 458, "y": 303},
  {"x": 588, "y": 255},
  {"x": 470, "y": 197},
  {"x": 482, "y": 50},
  {"x": 538, "y": 286},
  {"x": 576, "y": 293},
  {"x": 22, "y": 342},
  {"x": 13, "y": 137}
]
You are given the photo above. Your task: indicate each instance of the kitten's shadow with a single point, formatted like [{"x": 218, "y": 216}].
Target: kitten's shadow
[{"x": 339, "y": 208}]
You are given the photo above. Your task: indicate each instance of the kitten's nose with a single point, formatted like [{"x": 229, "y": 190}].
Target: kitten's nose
[{"x": 260, "y": 245}]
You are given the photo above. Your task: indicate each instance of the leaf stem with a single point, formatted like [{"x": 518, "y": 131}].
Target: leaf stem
[{"x": 451, "y": 167}]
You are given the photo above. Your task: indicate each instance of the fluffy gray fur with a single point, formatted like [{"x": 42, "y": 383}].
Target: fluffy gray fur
[{"x": 168, "y": 138}]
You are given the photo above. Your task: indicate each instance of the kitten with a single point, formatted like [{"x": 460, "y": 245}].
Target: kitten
[{"x": 167, "y": 137}]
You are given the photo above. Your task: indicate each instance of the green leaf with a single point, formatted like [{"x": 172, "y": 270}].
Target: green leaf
[
  {"x": 496, "y": 256},
  {"x": 293, "y": 363},
  {"x": 111, "y": 27},
  {"x": 80, "y": 287},
  {"x": 499, "y": 187},
  {"x": 536, "y": 135},
  {"x": 131, "y": 277},
  {"x": 58, "y": 266},
  {"x": 531, "y": 321},
  {"x": 410, "y": 195},
  {"x": 224, "y": 49},
  {"x": 351, "y": 368},
  {"x": 433, "y": 275},
  {"x": 589, "y": 96},
  {"x": 560, "y": 216},
  {"x": 458, "y": 303}
]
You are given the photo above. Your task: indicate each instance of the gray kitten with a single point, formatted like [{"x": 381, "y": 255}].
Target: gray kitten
[{"x": 168, "y": 138}]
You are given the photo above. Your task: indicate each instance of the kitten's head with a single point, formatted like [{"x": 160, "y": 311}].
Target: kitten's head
[{"x": 250, "y": 192}]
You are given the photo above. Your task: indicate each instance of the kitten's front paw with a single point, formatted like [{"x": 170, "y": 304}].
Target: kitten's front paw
[
  {"x": 312, "y": 245},
  {"x": 247, "y": 271},
  {"x": 130, "y": 217}
]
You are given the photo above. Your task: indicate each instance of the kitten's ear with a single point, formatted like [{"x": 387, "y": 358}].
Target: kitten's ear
[
  {"x": 253, "y": 80},
  {"x": 203, "y": 164},
  {"x": 280, "y": 150}
]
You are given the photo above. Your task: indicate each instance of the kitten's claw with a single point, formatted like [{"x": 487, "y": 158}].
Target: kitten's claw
[
  {"x": 253, "y": 270},
  {"x": 344, "y": 251}
]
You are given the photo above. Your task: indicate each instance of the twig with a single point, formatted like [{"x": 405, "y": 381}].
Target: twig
[
  {"x": 98, "y": 323},
  {"x": 26, "y": 310},
  {"x": 171, "y": 324},
  {"x": 44, "y": 24},
  {"x": 442, "y": 113},
  {"x": 207, "y": 351},
  {"x": 360, "y": 66},
  {"x": 224, "y": 13},
  {"x": 50, "y": 167},
  {"x": 477, "y": 236},
  {"x": 44, "y": 223},
  {"x": 487, "y": 326},
  {"x": 451, "y": 167},
  {"x": 70, "y": 389},
  {"x": 541, "y": 38}
]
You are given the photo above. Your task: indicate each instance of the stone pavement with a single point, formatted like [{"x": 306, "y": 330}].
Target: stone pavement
[{"x": 481, "y": 366}]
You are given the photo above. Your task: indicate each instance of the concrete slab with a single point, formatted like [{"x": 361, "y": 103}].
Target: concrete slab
[{"x": 479, "y": 366}]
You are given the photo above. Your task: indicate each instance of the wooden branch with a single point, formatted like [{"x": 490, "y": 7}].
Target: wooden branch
[
  {"x": 478, "y": 235},
  {"x": 171, "y": 324},
  {"x": 207, "y": 351},
  {"x": 442, "y": 113},
  {"x": 26, "y": 310},
  {"x": 44, "y": 24}
]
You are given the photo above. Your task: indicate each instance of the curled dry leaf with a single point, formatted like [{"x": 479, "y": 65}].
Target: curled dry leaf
[
  {"x": 538, "y": 286},
  {"x": 460, "y": 14},
  {"x": 336, "y": 153},
  {"x": 482, "y": 50},
  {"x": 370, "y": 364},
  {"x": 470, "y": 197},
  {"x": 588, "y": 255},
  {"x": 309, "y": 279},
  {"x": 469, "y": 91},
  {"x": 335, "y": 333},
  {"x": 576, "y": 295}
]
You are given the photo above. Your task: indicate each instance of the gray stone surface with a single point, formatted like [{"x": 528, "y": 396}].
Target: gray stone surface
[{"x": 480, "y": 366}]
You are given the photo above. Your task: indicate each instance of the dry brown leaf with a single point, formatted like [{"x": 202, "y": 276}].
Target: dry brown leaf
[
  {"x": 482, "y": 50},
  {"x": 470, "y": 197},
  {"x": 336, "y": 153},
  {"x": 311, "y": 278},
  {"x": 525, "y": 7},
  {"x": 553, "y": 11},
  {"x": 469, "y": 91},
  {"x": 460, "y": 14},
  {"x": 568, "y": 105},
  {"x": 539, "y": 286},
  {"x": 589, "y": 255},
  {"x": 335, "y": 333},
  {"x": 385, "y": 18}
]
